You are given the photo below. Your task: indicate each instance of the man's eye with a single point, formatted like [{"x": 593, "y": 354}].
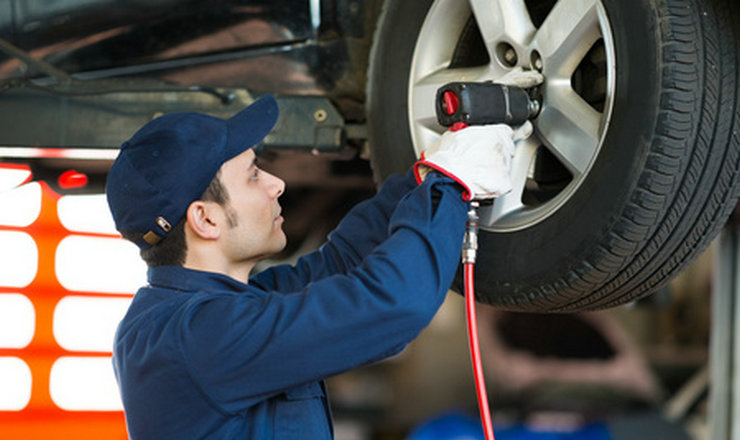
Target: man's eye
[{"x": 255, "y": 174}]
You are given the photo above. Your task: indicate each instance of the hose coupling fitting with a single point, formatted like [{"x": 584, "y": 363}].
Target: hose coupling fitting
[{"x": 470, "y": 241}]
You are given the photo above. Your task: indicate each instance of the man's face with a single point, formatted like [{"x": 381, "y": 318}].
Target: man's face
[{"x": 255, "y": 230}]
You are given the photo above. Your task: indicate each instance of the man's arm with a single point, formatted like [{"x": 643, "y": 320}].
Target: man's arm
[
  {"x": 244, "y": 348},
  {"x": 361, "y": 230}
]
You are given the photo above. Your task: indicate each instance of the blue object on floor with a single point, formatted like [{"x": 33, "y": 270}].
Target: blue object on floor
[
  {"x": 457, "y": 426},
  {"x": 451, "y": 426}
]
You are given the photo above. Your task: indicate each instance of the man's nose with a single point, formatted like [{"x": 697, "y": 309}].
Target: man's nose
[{"x": 277, "y": 186}]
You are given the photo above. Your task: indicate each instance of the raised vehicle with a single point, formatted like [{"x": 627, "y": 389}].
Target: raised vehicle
[{"x": 631, "y": 172}]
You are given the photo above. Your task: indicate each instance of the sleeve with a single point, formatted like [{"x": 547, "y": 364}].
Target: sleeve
[
  {"x": 245, "y": 348},
  {"x": 359, "y": 232}
]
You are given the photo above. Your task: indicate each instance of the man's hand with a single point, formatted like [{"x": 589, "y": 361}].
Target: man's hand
[{"x": 477, "y": 157}]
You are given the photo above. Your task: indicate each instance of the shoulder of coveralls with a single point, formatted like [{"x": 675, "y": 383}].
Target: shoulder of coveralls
[{"x": 171, "y": 287}]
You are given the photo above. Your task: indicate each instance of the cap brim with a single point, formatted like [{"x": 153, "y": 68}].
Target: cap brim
[{"x": 250, "y": 126}]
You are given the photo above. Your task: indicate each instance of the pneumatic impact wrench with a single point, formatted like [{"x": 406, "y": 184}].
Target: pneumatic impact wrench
[{"x": 459, "y": 104}]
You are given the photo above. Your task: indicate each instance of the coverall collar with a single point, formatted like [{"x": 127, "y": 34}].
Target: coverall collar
[{"x": 191, "y": 280}]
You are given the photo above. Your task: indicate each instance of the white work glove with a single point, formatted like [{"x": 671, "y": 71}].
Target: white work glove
[
  {"x": 477, "y": 157},
  {"x": 521, "y": 78}
]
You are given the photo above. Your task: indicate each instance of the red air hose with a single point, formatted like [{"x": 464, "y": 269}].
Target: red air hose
[
  {"x": 480, "y": 383},
  {"x": 470, "y": 247}
]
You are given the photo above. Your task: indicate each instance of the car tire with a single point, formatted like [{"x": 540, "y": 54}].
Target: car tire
[{"x": 663, "y": 174}]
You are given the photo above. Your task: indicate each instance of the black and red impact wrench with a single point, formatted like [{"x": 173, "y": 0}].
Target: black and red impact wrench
[{"x": 459, "y": 104}]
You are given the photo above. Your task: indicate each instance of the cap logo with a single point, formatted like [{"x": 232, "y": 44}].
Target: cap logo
[
  {"x": 164, "y": 224},
  {"x": 151, "y": 238}
]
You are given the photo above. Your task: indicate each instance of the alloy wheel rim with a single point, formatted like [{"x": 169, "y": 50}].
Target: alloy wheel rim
[{"x": 571, "y": 44}]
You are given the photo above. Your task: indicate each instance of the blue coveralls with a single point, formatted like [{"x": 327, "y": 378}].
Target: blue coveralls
[{"x": 201, "y": 355}]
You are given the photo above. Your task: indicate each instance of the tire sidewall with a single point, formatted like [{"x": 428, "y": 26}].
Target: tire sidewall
[
  {"x": 567, "y": 239},
  {"x": 391, "y": 148}
]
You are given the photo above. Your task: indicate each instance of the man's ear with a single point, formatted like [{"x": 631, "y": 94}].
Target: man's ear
[{"x": 202, "y": 219}]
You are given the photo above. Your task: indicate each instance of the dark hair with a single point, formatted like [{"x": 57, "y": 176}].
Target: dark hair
[{"x": 171, "y": 251}]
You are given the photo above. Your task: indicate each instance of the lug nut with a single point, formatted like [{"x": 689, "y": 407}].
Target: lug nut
[
  {"x": 534, "y": 108},
  {"x": 536, "y": 60},
  {"x": 506, "y": 54},
  {"x": 510, "y": 56}
]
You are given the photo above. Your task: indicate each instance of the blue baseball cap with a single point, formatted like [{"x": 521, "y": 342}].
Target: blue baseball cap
[{"x": 170, "y": 162}]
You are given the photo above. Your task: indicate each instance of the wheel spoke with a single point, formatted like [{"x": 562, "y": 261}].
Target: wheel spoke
[
  {"x": 569, "y": 128},
  {"x": 512, "y": 202},
  {"x": 503, "y": 20},
  {"x": 566, "y": 35}
]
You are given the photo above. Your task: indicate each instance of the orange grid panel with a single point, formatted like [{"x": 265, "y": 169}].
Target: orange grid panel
[{"x": 42, "y": 418}]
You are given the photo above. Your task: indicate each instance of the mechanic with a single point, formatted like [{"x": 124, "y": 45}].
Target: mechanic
[{"x": 205, "y": 351}]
